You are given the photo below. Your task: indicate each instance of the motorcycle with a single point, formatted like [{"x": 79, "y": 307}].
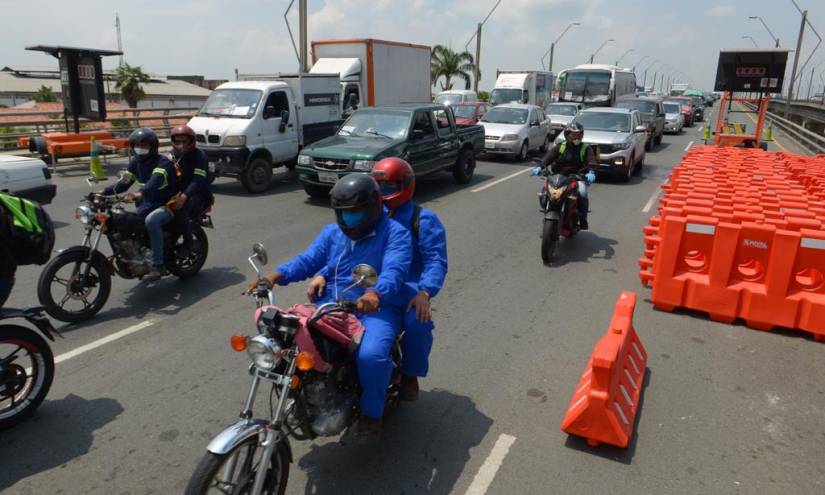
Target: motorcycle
[
  {"x": 558, "y": 199},
  {"x": 26, "y": 365},
  {"x": 77, "y": 272},
  {"x": 309, "y": 361}
]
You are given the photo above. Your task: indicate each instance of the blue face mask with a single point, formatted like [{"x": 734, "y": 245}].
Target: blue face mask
[{"x": 353, "y": 218}]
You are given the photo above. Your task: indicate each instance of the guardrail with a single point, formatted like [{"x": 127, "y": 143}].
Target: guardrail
[{"x": 806, "y": 138}]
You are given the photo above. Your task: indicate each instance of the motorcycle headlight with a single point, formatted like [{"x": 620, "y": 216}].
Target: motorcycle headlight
[
  {"x": 304, "y": 160},
  {"x": 84, "y": 214},
  {"x": 234, "y": 141},
  {"x": 555, "y": 193},
  {"x": 263, "y": 352},
  {"x": 509, "y": 137},
  {"x": 363, "y": 165}
]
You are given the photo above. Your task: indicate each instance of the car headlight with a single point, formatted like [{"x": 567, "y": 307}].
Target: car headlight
[
  {"x": 234, "y": 141},
  {"x": 623, "y": 146},
  {"x": 363, "y": 165},
  {"x": 84, "y": 214},
  {"x": 509, "y": 137},
  {"x": 304, "y": 160},
  {"x": 263, "y": 352}
]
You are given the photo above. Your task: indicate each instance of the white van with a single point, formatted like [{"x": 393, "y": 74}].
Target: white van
[
  {"x": 26, "y": 177},
  {"x": 248, "y": 127},
  {"x": 452, "y": 96},
  {"x": 528, "y": 87}
]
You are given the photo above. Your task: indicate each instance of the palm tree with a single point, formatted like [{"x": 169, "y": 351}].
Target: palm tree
[
  {"x": 447, "y": 63},
  {"x": 44, "y": 95},
  {"x": 129, "y": 80}
]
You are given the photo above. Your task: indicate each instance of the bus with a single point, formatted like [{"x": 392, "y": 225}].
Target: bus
[{"x": 596, "y": 85}]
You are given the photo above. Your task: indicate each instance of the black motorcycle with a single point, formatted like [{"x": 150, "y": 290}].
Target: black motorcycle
[
  {"x": 75, "y": 284},
  {"x": 558, "y": 199},
  {"x": 26, "y": 364}
]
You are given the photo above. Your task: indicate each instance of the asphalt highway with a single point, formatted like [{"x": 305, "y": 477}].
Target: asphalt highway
[{"x": 725, "y": 409}]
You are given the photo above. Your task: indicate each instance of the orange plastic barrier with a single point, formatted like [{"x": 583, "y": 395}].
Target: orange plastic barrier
[
  {"x": 62, "y": 144},
  {"x": 604, "y": 405}
]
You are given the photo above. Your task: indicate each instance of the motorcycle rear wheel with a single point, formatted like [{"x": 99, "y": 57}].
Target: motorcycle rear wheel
[
  {"x": 213, "y": 469},
  {"x": 549, "y": 239},
  {"x": 191, "y": 265},
  {"x": 23, "y": 385},
  {"x": 75, "y": 287}
]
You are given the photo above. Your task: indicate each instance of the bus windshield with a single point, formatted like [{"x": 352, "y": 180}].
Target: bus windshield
[
  {"x": 501, "y": 96},
  {"x": 585, "y": 86}
]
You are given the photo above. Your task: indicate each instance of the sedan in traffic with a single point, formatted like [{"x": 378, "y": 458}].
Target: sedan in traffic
[
  {"x": 674, "y": 120},
  {"x": 515, "y": 129},
  {"x": 561, "y": 114},
  {"x": 469, "y": 113}
]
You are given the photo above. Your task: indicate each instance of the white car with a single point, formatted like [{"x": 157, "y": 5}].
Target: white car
[
  {"x": 515, "y": 129},
  {"x": 560, "y": 115},
  {"x": 674, "y": 120},
  {"x": 26, "y": 177}
]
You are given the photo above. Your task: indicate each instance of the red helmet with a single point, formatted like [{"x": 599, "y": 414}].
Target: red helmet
[
  {"x": 183, "y": 130},
  {"x": 396, "y": 179}
]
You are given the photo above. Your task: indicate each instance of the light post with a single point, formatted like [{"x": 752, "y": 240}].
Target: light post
[
  {"x": 599, "y": 49},
  {"x": 752, "y": 40},
  {"x": 477, "y": 36},
  {"x": 553, "y": 46},
  {"x": 639, "y": 62},
  {"x": 623, "y": 56},
  {"x": 644, "y": 81},
  {"x": 796, "y": 55},
  {"x": 767, "y": 28}
]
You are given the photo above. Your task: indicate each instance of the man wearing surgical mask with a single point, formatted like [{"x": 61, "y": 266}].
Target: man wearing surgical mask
[{"x": 570, "y": 157}]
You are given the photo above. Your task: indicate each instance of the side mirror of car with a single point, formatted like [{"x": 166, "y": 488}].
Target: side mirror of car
[
  {"x": 534, "y": 124},
  {"x": 640, "y": 128},
  {"x": 284, "y": 120}
]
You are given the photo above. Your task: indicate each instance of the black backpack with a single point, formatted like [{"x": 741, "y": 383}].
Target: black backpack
[{"x": 26, "y": 229}]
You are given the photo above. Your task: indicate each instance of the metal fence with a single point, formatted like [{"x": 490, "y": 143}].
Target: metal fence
[{"x": 810, "y": 140}]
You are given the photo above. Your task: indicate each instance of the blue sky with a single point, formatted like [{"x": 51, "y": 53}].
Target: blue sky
[{"x": 213, "y": 37}]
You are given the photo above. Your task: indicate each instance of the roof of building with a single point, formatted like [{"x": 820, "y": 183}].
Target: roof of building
[{"x": 17, "y": 79}]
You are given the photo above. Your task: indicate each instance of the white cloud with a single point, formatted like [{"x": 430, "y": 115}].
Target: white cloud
[{"x": 721, "y": 10}]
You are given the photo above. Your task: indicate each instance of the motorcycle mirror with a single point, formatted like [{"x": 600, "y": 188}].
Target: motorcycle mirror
[
  {"x": 364, "y": 275},
  {"x": 260, "y": 253}
]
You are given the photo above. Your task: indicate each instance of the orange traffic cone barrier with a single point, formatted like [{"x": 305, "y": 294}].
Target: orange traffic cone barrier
[{"x": 603, "y": 408}]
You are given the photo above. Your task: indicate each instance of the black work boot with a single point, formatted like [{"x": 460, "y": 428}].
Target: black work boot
[
  {"x": 369, "y": 430},
  {"x": 155, "y": 273},
  {"x": 409, "y": 388},
  {"x": 583, "y": 223}
]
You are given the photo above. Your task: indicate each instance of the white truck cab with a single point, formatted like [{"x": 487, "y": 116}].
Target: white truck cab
[
  {"x": 26, "y": 177},
  {"x": 248, "y": 127}
]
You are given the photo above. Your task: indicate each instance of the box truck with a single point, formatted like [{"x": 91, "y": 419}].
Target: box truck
[
  {"x": 248, "y": 127},
  {"x": 531, "y": 87},
  {"x": 375, "y": 72}
]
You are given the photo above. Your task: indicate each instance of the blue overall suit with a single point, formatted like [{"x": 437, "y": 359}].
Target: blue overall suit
[
  {"x": 387, "y": 250},
  {"x": 193, "y": 169},
  {"x": 427, "y": 272},
  {"x": 157, "y": 180}
]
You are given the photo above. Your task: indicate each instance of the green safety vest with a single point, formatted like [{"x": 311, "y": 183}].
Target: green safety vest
[
  {"x": 582, "y": 151},
  {"x": 23, "y": 212}
]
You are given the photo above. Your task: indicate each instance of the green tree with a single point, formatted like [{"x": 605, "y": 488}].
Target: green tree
[
  {"x": 44, "y": 95},
  {"x": 129, "y": 80},
  {"x": 449, "y": 64}
]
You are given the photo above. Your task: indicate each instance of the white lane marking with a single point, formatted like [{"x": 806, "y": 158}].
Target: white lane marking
[
  {"x": 689, "y": 145},
  {"x": 105, "y": 340},
  {"x": 652, "y": 200},
  {"x": 496, "y": 182},
  {"x": 487, "y": 472}
]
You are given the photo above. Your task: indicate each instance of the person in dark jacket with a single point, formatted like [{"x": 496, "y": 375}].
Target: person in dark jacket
[
  {"x": 195, "y": 194},
  {"x": 156, "y": 179}
]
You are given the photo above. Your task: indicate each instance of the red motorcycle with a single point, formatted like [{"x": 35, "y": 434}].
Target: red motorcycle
[{"x": 559, "y": 199}]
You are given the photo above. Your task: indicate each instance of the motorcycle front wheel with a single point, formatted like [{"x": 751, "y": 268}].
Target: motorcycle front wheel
[
  {"x": 234, "y": 472},
  {"x": 26, "y": 373},
  {"x": 549, "y": 239},
  {"x": 67, "y": 293}
]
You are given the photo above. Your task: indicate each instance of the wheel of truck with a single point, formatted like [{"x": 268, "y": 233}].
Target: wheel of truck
[
  {"x": 464, "y": 167},
  {"x": 257, "y": 176},
  {"x": 317, "y": 192}
]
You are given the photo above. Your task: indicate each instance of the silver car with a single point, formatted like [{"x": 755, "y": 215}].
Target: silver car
[
  {"x": 674, "y": 120},
  {"x": 515, "y": 129},
  {"x": 560, "y": 115},
  {"x": 620, "y": 135}
]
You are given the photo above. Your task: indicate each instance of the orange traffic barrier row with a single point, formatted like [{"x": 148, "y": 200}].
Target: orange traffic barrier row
[
  {"x": 741, "y": 234},
  {"x": 604, "y": 406},
  {"x": 62, "y": 144}
]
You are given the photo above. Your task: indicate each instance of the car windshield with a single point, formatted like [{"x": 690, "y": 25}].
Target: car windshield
[
  {"x": 236, "y": 103},
  {"x": 501, "y": 96},
  {"x": 378, "y": 124},
  {"x": 585, "y": 86},
  {"x": 672, "y": 108},
  {"x": 505, "y": 116},
  {"x": 464, "y": 111},
  {"x": 604, "y": 121},
  {"x": 450, "y": 97},
  {"x": 562, "y": 110},
  {"x": 647, "y": 107}
]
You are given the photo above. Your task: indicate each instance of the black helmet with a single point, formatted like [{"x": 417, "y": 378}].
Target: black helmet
[
  {"x": 144, "y": 135},
  {"x": 572, "y": 129},
  {"x": 357, "y": 191}
]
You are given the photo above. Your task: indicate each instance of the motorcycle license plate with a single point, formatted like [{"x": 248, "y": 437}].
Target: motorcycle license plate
[{"x": 327, "y": 177}]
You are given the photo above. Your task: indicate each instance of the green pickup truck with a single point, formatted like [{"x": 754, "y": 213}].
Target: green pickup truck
[{"x": 425, "y": 135}]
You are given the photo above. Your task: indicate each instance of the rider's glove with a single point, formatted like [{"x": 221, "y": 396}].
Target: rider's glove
[
  {"x": 536, "y": 171},
  {"x": 590, "y": 177}
]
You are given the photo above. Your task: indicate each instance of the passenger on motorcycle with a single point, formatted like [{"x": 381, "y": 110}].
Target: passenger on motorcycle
[
  {"x": 363, "y": 233},
  {"x": 195, "y": 194},
  {"x": 427, "y": 270},
  {"x": 570, "y": 157},
  {"x": 157, "y": 182}
]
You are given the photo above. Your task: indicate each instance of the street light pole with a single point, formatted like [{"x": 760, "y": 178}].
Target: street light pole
[
  {"x": 752, "y": 40},
  {"x": 623, "y": 56},
  {"x": 477, "y": 35},
  {"x": 599, "y": 49},
  {"x": 639, "y": 62},
  {"x": 553, "y": 46},
  {"x": 644, "y": 81},
  {"x": 795, "y": 62},
  {"x": 767, "y": 28}
]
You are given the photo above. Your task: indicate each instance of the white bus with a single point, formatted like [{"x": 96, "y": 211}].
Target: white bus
[{"x": 596, "y": 85}]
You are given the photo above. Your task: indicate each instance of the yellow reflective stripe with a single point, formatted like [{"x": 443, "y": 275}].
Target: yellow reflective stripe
[
  {"x": 129, "y": 176},
  {"x": 200, "y": 171},
  {"x": 32, "y": 215},
  {"x": 140, "y": 184},
  {"x": 164, "y": 174}
]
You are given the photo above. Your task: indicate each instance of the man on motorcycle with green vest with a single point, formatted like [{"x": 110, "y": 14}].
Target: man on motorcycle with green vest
[{"x": 570, "y": 157}]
